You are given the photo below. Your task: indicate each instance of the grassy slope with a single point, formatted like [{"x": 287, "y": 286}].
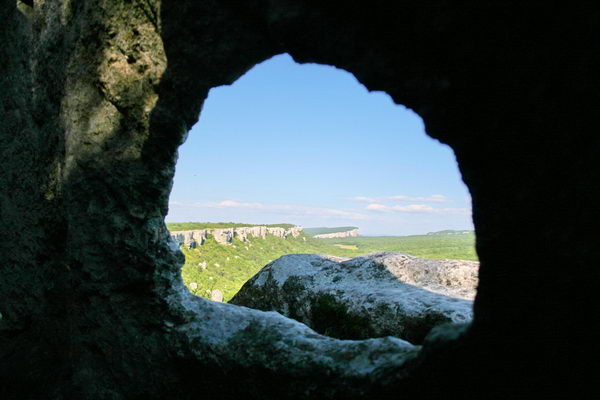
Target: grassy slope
[
  {"x": 458, "y": 247},
  {"x": 229, "y": 267}
]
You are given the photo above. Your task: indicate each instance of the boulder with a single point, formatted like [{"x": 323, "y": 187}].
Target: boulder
[
  {"x": 216, "y": 295},
  {"x": 380, "y": 294}
]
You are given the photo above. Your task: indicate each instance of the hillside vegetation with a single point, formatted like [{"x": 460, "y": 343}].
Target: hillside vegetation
[
  {"x": 190, "y": 226},
  {"x": 456, "y": 247},
  {"x": 323, "y": 230},
  {"x": 228, "y": 267}
]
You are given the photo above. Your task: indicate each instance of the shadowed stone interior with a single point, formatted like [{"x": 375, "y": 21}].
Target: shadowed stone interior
[{"x": 95, "y": 98}]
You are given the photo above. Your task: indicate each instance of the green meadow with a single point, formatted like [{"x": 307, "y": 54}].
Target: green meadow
[
  {"x": 456, "y": 247},
  {"x": 228, "y": 267}
]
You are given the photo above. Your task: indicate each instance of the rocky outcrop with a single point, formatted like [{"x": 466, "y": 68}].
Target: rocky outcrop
[
  {"x": 193, "y": 238},
  {"x": 216, "y": 295},
  {"x": 257, "y": 339},
  {"x": 377, "y": 295},
  {"x": 351, "y": 233}
]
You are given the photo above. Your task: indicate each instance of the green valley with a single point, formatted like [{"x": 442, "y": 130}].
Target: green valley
[{"x": 227, "y": 267}]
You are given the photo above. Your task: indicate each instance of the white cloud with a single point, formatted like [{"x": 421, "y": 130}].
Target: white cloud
[
  {"x": 234, "y": 204},
  {"x": 288, "y": 209},
  {"x": 365, "y": 199},
  {"x": 377, "y": 207},
  {"x": 434, "y": 198},
  {"x": 417, "y": 208}
]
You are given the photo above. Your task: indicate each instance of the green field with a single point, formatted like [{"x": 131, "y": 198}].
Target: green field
[
  {"x": 228, "y": 267},
  {"x": 457, "y": 247}
]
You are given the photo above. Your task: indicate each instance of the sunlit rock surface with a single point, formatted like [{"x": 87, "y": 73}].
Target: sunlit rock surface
[
  {"x": 197, "y": 237},
  {"x": 376, "y": 295},
  {"x": 350, "y": 233},
  {"x": 243, "y": 337}
]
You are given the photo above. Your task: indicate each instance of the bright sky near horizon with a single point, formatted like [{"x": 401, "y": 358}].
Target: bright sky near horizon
[{"x": 309, "y": 145}]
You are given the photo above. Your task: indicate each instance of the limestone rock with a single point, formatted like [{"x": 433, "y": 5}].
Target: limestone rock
[
  {"x": 197, "y": 237},
  {"x": 350, "y": 233},
  {"x": 216, "y": 295},
  {"x": 256, "y": 339},
  {"x": 191, "y": 239},
  {"x": 376, "y": 295}
]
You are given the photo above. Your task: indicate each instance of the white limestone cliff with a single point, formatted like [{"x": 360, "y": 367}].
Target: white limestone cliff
[
  {"x": 197, "y": 237},
  {"x": 350, "y": 233}
]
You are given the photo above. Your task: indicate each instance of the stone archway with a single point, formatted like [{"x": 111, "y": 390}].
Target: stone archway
[{"x": 97, "y": 96}]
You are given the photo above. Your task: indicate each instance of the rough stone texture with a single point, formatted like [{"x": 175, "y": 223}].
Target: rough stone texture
[
  {"x": 350, "y": 233},
  {"x": 198, "y": 237},
  {"x": 380, "y": 294},
  {"x": 95, "y": 98}
]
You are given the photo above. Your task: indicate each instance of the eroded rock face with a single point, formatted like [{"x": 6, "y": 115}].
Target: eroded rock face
[
  {"x": 380, "y": 294},
  {"x": 350, "y": 233},
  {"x": 197, "y": 237},
  {"x": 251, "y": 338},
  {"x": 95, "y": 98}
]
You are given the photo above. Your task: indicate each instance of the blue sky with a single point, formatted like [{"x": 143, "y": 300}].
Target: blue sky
[{"x": 309, "y": 145}]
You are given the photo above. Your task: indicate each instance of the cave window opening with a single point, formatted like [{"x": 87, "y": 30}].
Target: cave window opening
[{"x": 307, "y": 145}]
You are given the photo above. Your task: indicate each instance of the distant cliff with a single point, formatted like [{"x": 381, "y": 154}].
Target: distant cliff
[
  {"x": 450, "y": 232},
  {"x": 193, "y": 238},
  {"x": 351, "y": 233}
]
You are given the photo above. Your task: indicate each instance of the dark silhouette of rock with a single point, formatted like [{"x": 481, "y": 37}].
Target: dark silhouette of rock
[
  {"x": 95, "y": 98},
  {"x": 380, "y": 294}
]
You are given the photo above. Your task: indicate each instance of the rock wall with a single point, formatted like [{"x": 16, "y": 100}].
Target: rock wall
[
  {"x": 95, "y": 98},
  {"x": 351, "y": 233},
  {"x": 193, "y": 238}
]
